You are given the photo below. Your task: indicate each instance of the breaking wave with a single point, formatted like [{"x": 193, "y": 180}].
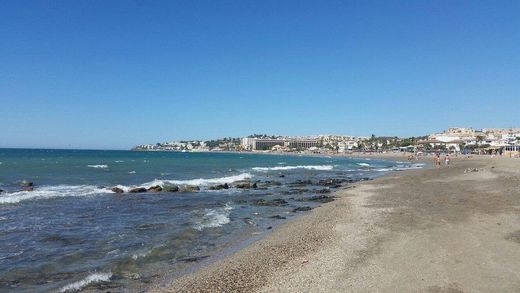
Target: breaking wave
[
  {"x": 93, "y": 278},
  {"x": 214, "y": 218},
  {"x": 46, "y": 192},
  {"x": 199, "y": 182},
  {"x": 52, "y": 191},
  {"x": 281, "y": 168},
  {"x": 98, "y": 166},
  {"x": 364, "y": 164}
]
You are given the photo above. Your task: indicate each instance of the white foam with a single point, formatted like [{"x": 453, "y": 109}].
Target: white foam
[
  {"x": 309, "y": 167},
  {"x": 214, "y": 218},
  {"x": 131, "y": 172},
  {"x": 52, "y": 191},
  {"x": 364, "y": 164},
  {"x": 93, "y": 278},
  {"x": 202, "y": 181},
  {"x": 119, "y": 161},
  {"x": 98, "y": 166}
]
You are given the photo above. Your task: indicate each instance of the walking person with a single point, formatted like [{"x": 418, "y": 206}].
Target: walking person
[{"x": 447, "y": 160}]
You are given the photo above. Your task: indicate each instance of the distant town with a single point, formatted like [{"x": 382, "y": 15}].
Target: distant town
[{"x": 454, "y": 139}]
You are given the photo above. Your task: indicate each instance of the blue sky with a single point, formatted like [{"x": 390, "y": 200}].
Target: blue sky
[{"x": 112, "y": 74}]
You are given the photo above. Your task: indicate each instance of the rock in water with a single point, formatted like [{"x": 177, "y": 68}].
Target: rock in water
[
  {"x": 137, "y": 190},
  {"x": 244, "y": 185},
  {"x": 271, "y": 203},
  {"x": 219, "y": 187},
  {"x": 156, "y": 188},
  {"x": 26, "y": 183},
  {"x": 117, "y": 190},
  {"x": 193, "y": 258},
  {"x": 302, "y": 209},
  {"x": 189, "y": 188},
  {"x": 171, "y": 188},
  {"x": 319, "y": 198},
  {"x": 278, "y": 217}
]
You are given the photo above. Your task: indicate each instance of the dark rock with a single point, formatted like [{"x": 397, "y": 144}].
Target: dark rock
[
  {"x": 171, "y": 188},
  {"x": 189, "y": 188},
  {"x": 269, "y": 228},
  {"x": 301, "y": 209},
  {"x": 243, "y": 185},
  {"x": 254, "y": 185},
  {"x": 269, "y": 183},
  {"x": 278, "y": 217},
  {"x": 332, "y": 182},
  {"x": 219, "y": 187},
  {"x": 117, "y": 190},
  {"x": 319, "y": 198},
  {"x": 1, "y": 190},
  {"x": 192, "y": 258},
  {"x": 156, "y": 188},
  {"x": 271, "y": 203},
  {"x": 281, "y": 176},
  {"x": 26, "y": 183},
  {"x": 137, "y": 190},
  {"x": 301, "y": 183},
  {"x": 324, "y": 190}
]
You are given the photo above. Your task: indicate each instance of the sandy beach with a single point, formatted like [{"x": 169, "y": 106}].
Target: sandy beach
[{"x": 432, "y": 230}]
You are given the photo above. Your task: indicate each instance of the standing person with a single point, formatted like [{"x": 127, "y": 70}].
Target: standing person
[
  {"x": 447, "y": 160},
  {"x": 438, "y": 161}
]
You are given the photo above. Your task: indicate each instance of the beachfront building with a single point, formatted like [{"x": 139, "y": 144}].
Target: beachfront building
[
  {"x": 302, "y": 143},
  {"x": 512, "y": 151},
  {"x": 269, "y": 143}
]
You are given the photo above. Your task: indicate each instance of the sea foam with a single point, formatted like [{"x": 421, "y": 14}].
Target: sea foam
[
  {"x": 364, "y": 164},
  {"x": 93, "y": 278},
  {"x": 214, "y": 218},
  {"x": 52, "y": 191},
  {"x": 201, "y": 181},
  {"x": 308, "y": 167},
  {"x": 98, "y": 166}
]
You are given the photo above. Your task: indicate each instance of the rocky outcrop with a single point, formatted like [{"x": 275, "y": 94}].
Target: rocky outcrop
[
  {"x": 301, "y": 183},
  {"x": 319, "y": 198},
  {"x": 278, "y": 217},
  {"x": 189, "y": 188},
  {"x": 245, "y": 185},
  {"x": 137, "y": 190},
  {"x": 271, "y": 203},
  {"x": 324, "y": 190},
  {"x": 171, "y": 188},
  {"x": 26, "y": 183},
  {"x": 301, "y": 209},
  {"x": 156, "y": 188},
  {"x": 117, "y": 190},
  {"x": 219, "y": 187}
]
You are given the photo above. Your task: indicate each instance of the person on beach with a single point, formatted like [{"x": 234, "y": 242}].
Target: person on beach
[
  {"x": 438, "y": 161},
  {"x": 447, "y": 160}
]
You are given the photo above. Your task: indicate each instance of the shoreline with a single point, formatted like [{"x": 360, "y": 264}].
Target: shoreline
[{"x": 342, "y": 244}]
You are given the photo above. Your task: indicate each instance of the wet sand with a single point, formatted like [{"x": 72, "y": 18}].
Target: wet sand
[{"x": 430, "y": 230}]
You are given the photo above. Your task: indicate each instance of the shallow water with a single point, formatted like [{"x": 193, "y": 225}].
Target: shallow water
[{"x": 72, "y": 232}]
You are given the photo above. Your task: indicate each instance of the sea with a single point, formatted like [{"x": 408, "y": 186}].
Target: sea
[{"x": 71, "y": 232}]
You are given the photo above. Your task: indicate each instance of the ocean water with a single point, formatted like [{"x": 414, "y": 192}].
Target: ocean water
[{"x": 72, "y": 233}]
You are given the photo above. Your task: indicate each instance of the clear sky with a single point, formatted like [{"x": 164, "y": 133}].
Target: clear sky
[{"x": 112, "y": 74}]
